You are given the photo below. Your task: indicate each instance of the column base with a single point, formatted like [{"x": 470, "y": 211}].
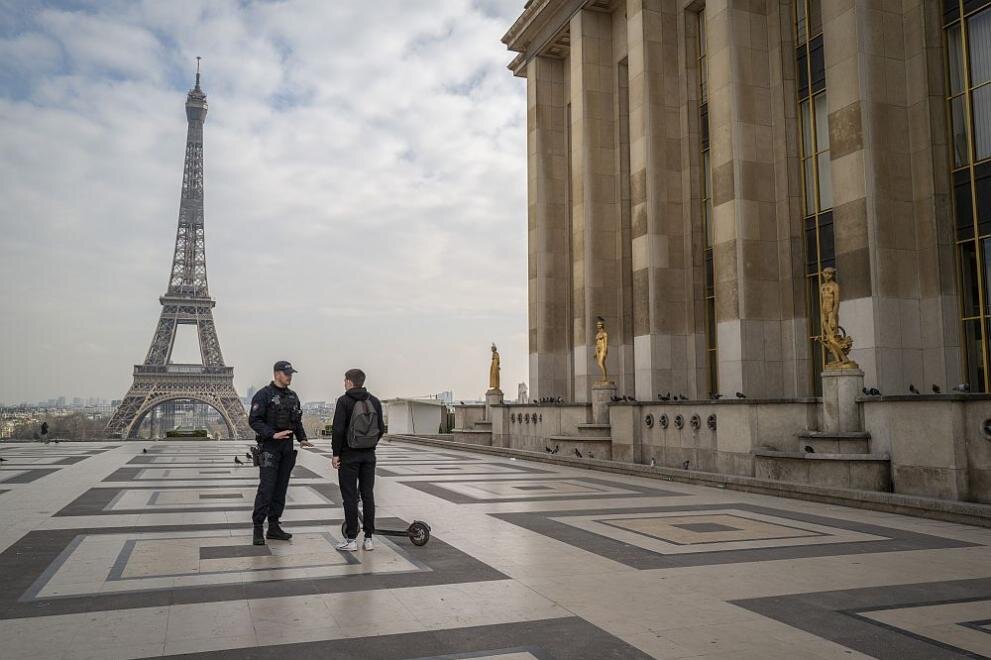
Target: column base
[
  {"x": 840, "y": 389},
  {"x": 602, "y": 396}
]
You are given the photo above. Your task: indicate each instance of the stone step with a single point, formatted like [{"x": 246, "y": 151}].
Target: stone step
[
  {"x": 473, "y": 436},
  {"x": 581, "y": 438},
  {"x": 856, "y": 471},
  {"x": 593, "y": 431},
  {"x": 825, "y": 442}
]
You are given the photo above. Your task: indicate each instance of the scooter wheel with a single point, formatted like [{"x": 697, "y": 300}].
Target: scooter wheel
[
  {"x": 344, "y": 529},
  {"x": 419, "y": 533}
]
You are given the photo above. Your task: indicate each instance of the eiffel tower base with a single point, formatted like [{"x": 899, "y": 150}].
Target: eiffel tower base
[{"x": 157, "y": 384}]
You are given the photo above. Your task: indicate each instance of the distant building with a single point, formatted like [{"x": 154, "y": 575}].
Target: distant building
[
  {"x": 415, "y": 416},
  {"x": 446, "y": 396}
]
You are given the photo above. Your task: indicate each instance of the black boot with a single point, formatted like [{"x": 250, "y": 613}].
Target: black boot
[
  {"x": 259, "y": 538},
  {"x": 276, "y": 532}
]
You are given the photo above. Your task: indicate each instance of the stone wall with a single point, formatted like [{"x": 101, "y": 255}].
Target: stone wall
[
  {"x": 530, "y": 426},
  {"x": 466, "y": 416},
  {"x": 938, "y": 445}
]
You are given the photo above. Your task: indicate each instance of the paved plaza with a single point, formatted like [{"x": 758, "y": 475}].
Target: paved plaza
[{"x": 107, "y": 551}]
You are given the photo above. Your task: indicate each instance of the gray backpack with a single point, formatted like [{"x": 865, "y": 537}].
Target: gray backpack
[{"x": 363, "y": 429}]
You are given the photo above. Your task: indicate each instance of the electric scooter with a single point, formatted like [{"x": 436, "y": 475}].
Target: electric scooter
[{"x": 418, "y": 532}]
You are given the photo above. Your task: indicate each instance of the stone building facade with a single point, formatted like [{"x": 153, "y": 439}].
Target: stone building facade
[{"x": 693, "y": 165}]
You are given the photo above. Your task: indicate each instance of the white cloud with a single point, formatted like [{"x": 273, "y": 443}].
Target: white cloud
[{"x": 364, "y": 191}]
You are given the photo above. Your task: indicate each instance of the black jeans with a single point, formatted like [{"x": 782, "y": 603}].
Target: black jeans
[
  {"x": 357, "y": 473},
  {"x": 277, "y": 460}
]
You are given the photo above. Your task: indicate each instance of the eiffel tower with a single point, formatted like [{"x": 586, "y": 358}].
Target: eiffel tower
[{"x": 187, "y": 301}]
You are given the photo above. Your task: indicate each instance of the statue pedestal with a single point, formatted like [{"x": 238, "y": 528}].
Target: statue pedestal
[
  {"x": 840, "y": 389},
  {"x": 602, "y": 394},
  {"x": 492, "y": 398}
]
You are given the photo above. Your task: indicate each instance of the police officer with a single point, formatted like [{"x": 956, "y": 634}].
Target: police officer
[{"x": 276, "y": 415}]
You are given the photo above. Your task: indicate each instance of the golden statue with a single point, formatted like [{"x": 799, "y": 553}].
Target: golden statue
[
  {"x": 494, "y": 369},
  {"x": 834, "y": 337},
  {"x": 601, "y": 347}
]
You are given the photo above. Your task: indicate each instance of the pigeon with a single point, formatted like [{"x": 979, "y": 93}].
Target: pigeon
[
  {"x": 684, "y": 466},
  {"x": 809, "y": 449},
  {"x": 653, "y": 463},
  {"x": 578, "y": 453},
  {"x": 866, "y": 391},
  {"x": 144, "y": 451},
  {"x": 875, "y": 392},
  {"x": 247, "y": 455},
  {"x": 548, "y": 449},
  {"x": 741, "y": 395},
  {"x": 590, "y": 455},
  {"x": 614, "y": 398},
  {"x": 560, "y": 400},
  {"x": 238, "y": 461},
  {"x": 936, "y": 389},
  {"x": 461, "y": 403},
  {"x": 664, "y": 397},
  {"x": 911, "y": 388},
  {"x": 715, "y": 395},
  {"x": 3, "y": 460},
  {"x": 962, "y": 387},
  {"x": 557, "y": 448}
]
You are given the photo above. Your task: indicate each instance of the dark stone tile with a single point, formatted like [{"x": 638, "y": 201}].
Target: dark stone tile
[
  {"x": 895, "y": 539},
  {"x": 839, "y": 616},
  {"x": 509, "y": 470},
  {"x": 31, "y": 474},
  {"x": 25, "y": 561},
  {"x": 547, "y": 639},
  {"x": 706, "y": 527},
  {"x": 233, "y": 551},
  {"x": 437, "y": 489}
]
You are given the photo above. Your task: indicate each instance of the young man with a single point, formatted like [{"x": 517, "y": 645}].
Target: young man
[
  {"x": 358, "y": 426},
  {"x": 276, "y": 415}
]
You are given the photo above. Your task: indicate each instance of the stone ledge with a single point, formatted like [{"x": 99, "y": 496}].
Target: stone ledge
[
  {"x": 837, "y": 435},
  {"x": 968, "y": 513},
  {"x": 802, "y": 455},
  {"x": 579, "y": 438}
]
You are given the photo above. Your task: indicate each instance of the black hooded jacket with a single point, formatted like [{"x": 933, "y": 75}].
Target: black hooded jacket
[{"x": 342, "y": 417}]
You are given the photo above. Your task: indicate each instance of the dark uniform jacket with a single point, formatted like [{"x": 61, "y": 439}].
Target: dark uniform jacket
[
  {"x": 342, "y": 417},
  {"x": 275, "y": 409}
]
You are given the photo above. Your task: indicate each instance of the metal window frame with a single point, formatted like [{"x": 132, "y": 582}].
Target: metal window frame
[
  {"x": 805, "y": 43},
  {"x": 967, "y": 93}
]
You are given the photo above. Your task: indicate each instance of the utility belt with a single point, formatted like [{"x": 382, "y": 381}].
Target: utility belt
[{"x": 256, "y": 451}]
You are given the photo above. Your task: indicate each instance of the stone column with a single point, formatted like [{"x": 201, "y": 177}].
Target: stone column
[
  {"x": 594, "y": 191},
  {"x": 547, "y": 224},
  {"x": 746, "y": 245},
  {"x": 661, "y": 254},
  {"x": 894, "y": 237}
]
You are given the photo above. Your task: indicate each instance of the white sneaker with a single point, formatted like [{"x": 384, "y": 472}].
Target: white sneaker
[
  {"x": 349, "y": 545},
  {"x": 368, "y": 545}
]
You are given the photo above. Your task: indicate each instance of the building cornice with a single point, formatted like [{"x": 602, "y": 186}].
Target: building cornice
[{"x": 542, "y": 29}]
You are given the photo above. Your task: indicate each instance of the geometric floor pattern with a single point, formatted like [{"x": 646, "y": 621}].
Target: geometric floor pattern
[{"x": 143, "y": 549}]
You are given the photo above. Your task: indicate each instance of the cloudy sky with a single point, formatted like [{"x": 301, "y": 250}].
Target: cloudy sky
[{"x": 365, "y": 199}]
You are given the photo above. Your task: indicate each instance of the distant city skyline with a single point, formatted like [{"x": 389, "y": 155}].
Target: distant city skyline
[{"x": 364, "y": 192}]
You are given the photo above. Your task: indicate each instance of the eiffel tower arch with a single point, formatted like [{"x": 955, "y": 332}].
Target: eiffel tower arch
[{"x": 187, "y": 301}]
